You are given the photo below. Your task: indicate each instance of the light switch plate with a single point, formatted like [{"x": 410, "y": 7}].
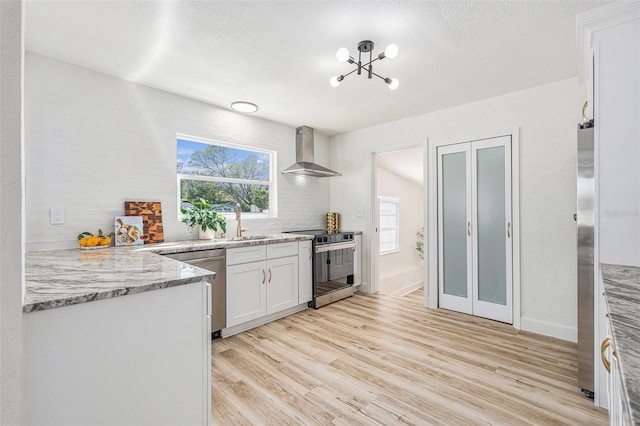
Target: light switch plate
[
  {"x": 360, "y": 212},
  {"x": 56, "y": 216}
]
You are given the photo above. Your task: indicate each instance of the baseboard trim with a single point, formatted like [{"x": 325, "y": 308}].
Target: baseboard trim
[
  {"x": 549, "y": 329},
  {"x": 408, "y": 289},
  {"x": 230, "y": 331}
]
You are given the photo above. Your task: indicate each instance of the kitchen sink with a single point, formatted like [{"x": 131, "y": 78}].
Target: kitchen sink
[
  {"x": 254, "y": 237},
  {"x": 250, "y": 237}
]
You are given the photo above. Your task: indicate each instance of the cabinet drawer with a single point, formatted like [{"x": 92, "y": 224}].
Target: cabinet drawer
[
  {"x": 246, "y": 254},
  {"x": 282, "y": 250}
]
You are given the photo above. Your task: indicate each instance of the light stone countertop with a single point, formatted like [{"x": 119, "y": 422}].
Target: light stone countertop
[
  {"x": 60, "y": 278},
  {"x": 172, "y": 247},
  {"x": 622, "y": 293}
]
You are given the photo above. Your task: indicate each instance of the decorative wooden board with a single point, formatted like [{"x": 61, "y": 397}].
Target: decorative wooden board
[{"x": 151, "y": 212}]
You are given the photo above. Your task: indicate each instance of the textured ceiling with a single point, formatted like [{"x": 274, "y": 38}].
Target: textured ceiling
[{"x": 281, "y": 54}]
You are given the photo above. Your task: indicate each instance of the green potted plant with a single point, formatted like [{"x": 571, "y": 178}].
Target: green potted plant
[{"x": 202, "y": 216}]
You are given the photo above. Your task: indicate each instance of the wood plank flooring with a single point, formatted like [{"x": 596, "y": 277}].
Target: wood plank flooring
[{"x": 386, "y": 360}]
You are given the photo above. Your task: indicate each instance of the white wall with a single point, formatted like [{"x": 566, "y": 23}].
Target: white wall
[
  {"x": 12, "y": 371},
  {"x": 402, "y": 270},
  {"x": 547, "y": 117},
  {"x": 93, "y": 141}
]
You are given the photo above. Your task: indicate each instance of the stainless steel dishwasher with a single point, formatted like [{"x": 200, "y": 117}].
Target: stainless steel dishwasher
[{"x": 211, "y": 260}]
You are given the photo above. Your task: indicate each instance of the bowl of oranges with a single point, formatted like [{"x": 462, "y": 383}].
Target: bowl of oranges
[{"x": 89, "y": 241}]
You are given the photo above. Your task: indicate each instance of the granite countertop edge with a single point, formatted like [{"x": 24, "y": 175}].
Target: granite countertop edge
[
  {"x": 622, "y": 295},
  {"x": 58, "y": 278}
]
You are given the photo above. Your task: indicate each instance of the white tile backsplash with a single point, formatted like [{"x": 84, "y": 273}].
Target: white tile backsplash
[{"x": 93, "y": 141}]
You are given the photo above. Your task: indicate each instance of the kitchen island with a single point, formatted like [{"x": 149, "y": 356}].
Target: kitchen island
[
  {"x": 60, "y": 278},
  {"x": 142, "y": 359},
  {"x": 622, "y": 294},
  {"x": 96, "y": 357}
]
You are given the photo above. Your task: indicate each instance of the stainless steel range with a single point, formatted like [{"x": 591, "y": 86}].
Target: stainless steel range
[{"x": 332, "y": 266}]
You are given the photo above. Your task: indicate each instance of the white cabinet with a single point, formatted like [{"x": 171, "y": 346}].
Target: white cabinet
[
  {"x": 618, "y": 407},
  {"x": 282, "y": 284},
  {"x": 246, "y": 292},
  {"x": 265, "y": 284},
  {"x": 305, "y": 271},
  {"x": 139, "y": 359},
  {"x": 610, "y": 37}
]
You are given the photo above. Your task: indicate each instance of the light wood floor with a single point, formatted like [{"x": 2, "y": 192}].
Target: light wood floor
[{"x": 387, "y": 360}]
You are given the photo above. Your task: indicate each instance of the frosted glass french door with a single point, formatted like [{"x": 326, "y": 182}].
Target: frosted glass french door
[{"x": 474, "y": 228}]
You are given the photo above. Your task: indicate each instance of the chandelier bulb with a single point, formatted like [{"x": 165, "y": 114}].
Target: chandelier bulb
[
  {"x": 342, "y": 54},
  {"x": 394, "y": 84},
  {"x": 334, "y": 81},
  {"x": 391, "y": 51}
]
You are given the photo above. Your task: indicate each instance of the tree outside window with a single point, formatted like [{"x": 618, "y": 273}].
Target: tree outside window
[{"x": 225, "y": 174}]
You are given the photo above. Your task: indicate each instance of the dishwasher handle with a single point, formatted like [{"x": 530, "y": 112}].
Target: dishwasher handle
[{"x": 202, "y": 260}]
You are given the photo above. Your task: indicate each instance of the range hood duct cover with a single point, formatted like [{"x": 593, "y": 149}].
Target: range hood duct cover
[{"x": 304, "y": 164}]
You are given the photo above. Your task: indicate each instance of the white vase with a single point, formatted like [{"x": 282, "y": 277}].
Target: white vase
[{"x": 209, "y": 234}]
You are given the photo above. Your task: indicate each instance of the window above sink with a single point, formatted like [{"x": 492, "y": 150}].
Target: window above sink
[{"x": 225, "y": 174}]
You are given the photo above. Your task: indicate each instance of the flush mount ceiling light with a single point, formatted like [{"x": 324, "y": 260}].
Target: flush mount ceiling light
[
  {"x": 366, "y": 46},
  {"x": 244, "y": 106}
]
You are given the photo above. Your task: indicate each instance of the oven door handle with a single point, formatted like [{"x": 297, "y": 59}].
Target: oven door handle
[{"x": 335, "y": 246}]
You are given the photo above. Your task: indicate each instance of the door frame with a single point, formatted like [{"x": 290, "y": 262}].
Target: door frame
[
  {"x": 374, "y": 244},
  {"x": 431, "y": 229}
]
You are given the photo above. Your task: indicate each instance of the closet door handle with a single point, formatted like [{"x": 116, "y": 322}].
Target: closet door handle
[
  {"x": 469, "y": 228},
  {"x": 509, "y": 230},
  {"x": 603, "y": 347}
]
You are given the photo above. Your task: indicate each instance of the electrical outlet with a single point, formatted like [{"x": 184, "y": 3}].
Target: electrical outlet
[
  {"x": 360, "y": 212},
  {"x": 56, "y": 216}
]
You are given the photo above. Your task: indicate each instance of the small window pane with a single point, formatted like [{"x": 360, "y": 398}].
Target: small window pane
[
  {"x": 202, "y": 159},
  {"x": 224, "y": 196},
  {"x": 389, "y": 220}
]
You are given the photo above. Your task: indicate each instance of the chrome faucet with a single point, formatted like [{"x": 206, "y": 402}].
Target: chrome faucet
[{"x": 239, "y": 228}]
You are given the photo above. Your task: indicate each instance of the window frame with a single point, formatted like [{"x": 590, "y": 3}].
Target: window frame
[
  {"x": 271, "y": 183},
  {"x": 393, "y": 200}
]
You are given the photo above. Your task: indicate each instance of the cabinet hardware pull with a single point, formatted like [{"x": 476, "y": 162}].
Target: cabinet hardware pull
[
  {"x": 603, "y": 347},
  {"x": 469, "y": 228},
  {"x": 264, "y": 277},
  {"x": 509, "y": 230},
  {"x": 269, "y": 275}
]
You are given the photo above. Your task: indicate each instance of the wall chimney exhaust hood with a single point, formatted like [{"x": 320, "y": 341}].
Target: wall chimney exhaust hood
[{"x": 304, "y": 164}]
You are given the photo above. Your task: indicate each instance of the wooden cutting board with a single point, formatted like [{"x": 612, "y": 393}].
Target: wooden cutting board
[{"x": 151, "y": 212}]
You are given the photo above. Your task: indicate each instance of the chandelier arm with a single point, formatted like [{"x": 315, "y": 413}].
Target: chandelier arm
[
  {"x": 350, "y": 72},
  {"x": 379, "y": 76}
]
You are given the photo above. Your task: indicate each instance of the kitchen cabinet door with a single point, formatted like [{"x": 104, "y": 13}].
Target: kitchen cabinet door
[
  {"x": 305, "y": 273},
  {"x": 246, "y": 292},
  {"x": 282, "y": 284}
]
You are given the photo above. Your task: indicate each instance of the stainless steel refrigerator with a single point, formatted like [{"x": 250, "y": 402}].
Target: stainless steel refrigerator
[{"x": 585, "y": 223}]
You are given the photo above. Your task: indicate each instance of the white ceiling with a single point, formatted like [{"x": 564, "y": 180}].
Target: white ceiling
[
  {"x": 281, "y": 54},
  {"x": 406, "y": 163}
]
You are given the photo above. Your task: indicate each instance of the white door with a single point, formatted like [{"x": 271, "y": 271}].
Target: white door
[
  {"x": 454, "y": 228},
  {"x": 282, "y": 284},
  {"x": 474, "y": 228},
  {"x": 246, "y": 292}
]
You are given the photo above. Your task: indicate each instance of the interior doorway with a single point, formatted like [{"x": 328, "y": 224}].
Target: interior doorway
[{"x": 399, "y": 220}]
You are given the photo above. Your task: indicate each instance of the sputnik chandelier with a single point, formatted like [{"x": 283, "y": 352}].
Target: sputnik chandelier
[{"x": 363, "y": 47}]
